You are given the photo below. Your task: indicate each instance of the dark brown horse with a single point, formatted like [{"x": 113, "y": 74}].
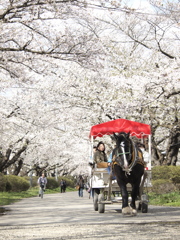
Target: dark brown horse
[{"x": 128, "y": 167}]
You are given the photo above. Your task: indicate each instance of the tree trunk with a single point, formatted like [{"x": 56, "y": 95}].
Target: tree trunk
[
  {"x": 157, "y": 156},
  {"x": 6, "y": 161},
  {"x": 17, "y": 167},
  {"x": 173, "y": 147}
]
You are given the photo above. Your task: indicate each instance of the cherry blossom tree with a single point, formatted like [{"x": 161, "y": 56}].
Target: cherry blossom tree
[
  {"x": 147, "y": 50},
  {"x": 68, "y": 65}
]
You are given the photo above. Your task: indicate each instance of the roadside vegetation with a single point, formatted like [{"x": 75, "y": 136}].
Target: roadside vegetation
[
  {"x": 14, "y": 188},
  {"x": 166, "y": 199},
  {"x": 165, "y": 189}
]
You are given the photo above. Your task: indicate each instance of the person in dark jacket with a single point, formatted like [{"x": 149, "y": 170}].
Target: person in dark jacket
[
  {"x": 65, "y": 185},
  {"x": 80, "y": 184},
  {"x": 62, "y": 185}
]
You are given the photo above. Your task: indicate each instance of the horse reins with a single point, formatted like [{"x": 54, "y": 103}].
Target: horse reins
[{"x": 133, "y": 160}]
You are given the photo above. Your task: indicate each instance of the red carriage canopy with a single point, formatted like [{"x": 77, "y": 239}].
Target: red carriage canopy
[{"x": 140, "y": 130}]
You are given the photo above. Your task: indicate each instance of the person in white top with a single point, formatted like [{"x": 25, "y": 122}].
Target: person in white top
[
  {"x": 42, "y": 181},
  {"x": 145, "y": 153}
]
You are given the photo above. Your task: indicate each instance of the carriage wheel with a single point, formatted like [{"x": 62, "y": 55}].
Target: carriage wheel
[
  {"x": 101, "y": 206},
  {"x": 95, "y": 201},
  {"x": 138, "y": 205},
  {"x": 144, "y": 207}
]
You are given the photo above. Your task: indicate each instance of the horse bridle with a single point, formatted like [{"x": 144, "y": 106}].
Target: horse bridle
[{"x": 132, "y": 157}]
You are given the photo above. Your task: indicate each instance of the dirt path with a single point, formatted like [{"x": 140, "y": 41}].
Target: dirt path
[{"x": 66, "y": 216}]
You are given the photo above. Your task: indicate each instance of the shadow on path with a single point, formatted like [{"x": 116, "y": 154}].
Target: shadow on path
[{"x": 70, "y": 209}]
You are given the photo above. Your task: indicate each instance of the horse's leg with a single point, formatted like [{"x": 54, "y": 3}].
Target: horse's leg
[
  {"x": 135, "y": 188},
  {"x": 120, "y": 176},
  {"x": 124, "y": 194},
  {"x": 126, "y": 210},
  {"x": 134, "y": 194}
]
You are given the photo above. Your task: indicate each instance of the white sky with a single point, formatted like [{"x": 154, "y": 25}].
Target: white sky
[{"x": 140, "y": 4}]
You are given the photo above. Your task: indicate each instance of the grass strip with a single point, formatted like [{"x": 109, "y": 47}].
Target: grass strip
[
  {"x": 7, "y": 198},
  {"x": 169, "y": 199}
]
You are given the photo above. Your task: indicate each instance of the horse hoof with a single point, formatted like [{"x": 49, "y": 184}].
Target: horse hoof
[
  {"x": 126, "y": 211},
  {"x": 134, "y": 212}
]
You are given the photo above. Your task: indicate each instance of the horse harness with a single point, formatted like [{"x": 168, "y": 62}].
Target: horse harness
[{"x": 136, "y": 157}]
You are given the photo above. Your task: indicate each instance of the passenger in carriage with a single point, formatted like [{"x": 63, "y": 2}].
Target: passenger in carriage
[
  {"x": 99, "y": 154},
  {"x": 110, "y": 155},
  {"x": 109, "y": 169},
  {"x": 144, "y": 152},
  {"x": 94, "y": 149}
]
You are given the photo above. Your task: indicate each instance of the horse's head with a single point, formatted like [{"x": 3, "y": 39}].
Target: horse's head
[{"x": 122, "y": 152}]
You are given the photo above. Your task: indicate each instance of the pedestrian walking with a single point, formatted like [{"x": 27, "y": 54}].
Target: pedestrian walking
[
  {"x": 65, "y": 185},
  {"x": 42, "y": 181},
  {"x": 80, "y": 184},
  {"x": 62, "y": 186}
]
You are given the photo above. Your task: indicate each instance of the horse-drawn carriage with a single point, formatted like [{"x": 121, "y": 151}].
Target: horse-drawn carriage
[{"x": 125, "y": 178}]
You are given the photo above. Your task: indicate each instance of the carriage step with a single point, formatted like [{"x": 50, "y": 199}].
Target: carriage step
[
  {"x": 110, "y": 202},
  {"x": 106, "y": 202}
]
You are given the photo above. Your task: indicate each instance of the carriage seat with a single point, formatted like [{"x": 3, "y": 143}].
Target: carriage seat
[{"x": 102, "y": 165}]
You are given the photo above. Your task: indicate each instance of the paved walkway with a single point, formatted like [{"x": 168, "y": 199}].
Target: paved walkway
[
  {"x": 69, "y": 208},
  {"x": 66, "y": 216}
]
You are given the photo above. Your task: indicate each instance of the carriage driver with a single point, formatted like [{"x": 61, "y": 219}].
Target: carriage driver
[{"x": 99, "y": 154}]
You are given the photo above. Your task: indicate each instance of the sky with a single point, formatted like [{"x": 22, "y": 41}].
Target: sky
[
  {"x": 137, "y": 3},
  {"x": 144, "y": 3}
]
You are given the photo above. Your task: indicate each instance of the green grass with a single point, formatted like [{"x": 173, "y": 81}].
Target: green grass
[
  {"x": 7, "y": 198},
  {"x": 168, "y": 199}
]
